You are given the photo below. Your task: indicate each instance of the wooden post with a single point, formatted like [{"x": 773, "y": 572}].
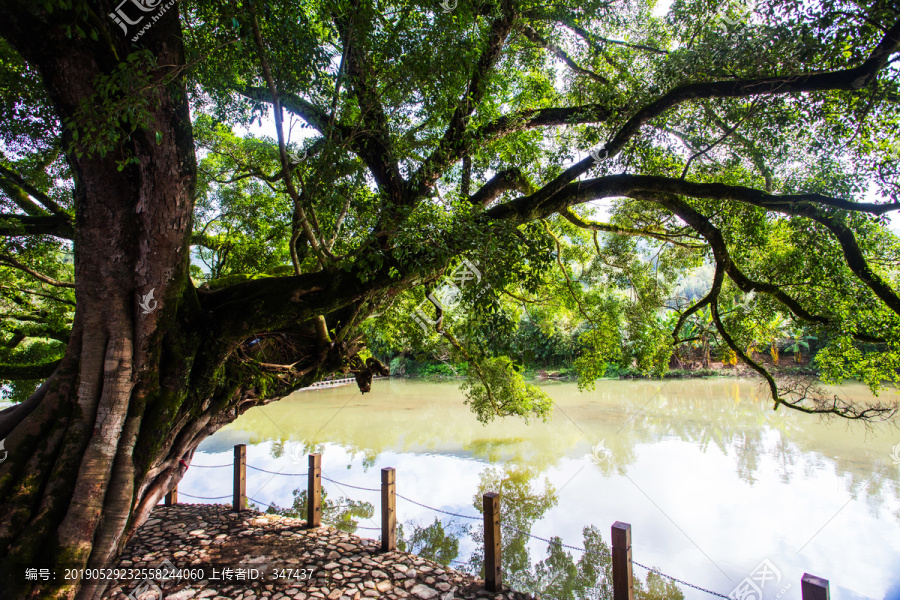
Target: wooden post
[
  {"x": 172, "y": 497},
  {"x": 623, "y": 582},
  {"x": 493, "y": 578},
  {"x": 388, "y": 510},
  {"x": 814, "y": 588},
  {"x": 314, "y": 492},
  {"x": 240, "y": 478}
]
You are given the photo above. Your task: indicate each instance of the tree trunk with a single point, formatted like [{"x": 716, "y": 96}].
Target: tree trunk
[
  {"x": 153, "y": 366},
  {"x": 97, "y": 446}
]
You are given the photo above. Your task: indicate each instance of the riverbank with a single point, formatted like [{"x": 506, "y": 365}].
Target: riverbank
[
  {"x": 715, "y": 370},
  {"x": 275, "y": 558}
]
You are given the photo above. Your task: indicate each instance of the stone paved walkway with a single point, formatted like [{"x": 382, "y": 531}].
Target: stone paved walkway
[{"x": 273, "y": 558}]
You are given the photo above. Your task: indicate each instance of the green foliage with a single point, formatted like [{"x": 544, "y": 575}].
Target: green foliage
[
  {"x": 28, "y": 119},
  {"x": 494, "y": 388},
  {"x": 601, "y": 348},
  {"x": 120, "y": 105}
]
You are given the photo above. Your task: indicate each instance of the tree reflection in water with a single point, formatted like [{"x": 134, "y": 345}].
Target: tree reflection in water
[
  {"x": 438, "y": 542},
  {"x": 557, "y": 577},
  {"x": 343, "y": 514}
]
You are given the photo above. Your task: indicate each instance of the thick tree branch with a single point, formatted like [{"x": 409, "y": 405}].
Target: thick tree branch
[
  {"x": 855, "y": 259},
  {"x": 42, "y": 331},
  {"x": 663, "y": 191},
  {"x": 510, "y": 179},
  {"x": 299, "y": 213},
  {"x": 528, "y": 208},
  {"x": 806, "y": 205},
  {"x": 11, "y": 176},
  {"x": 24, "y": 372},
  {"x": 374, "y": 144},
  {"x": 452, "y": 145},
  {"x": 21, "y": 199},
  {"x": 12, "y": 262},
  {"x": 594, "y": 40},
  {"x": 307, "y": 111},
  {"x": 60, "y": 226},
  {"x": 512, "y": 123},
  {"x": 845, "y": 79}
]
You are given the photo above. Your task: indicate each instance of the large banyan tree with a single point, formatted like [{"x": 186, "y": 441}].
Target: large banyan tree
[{"x": 163, "y": 269}]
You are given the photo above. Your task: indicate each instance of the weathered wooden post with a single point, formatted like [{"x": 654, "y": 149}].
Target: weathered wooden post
[
  {"x": 314, "y": 492},
  {"x": 388, "y": 509},
  {"x": 623, "y": 582},
  {"x": 493, "y": 578},
  {"x": 814, "y": 588},
  {"x": 240, "y": 478},
  {"x": 172, "y": 497}
]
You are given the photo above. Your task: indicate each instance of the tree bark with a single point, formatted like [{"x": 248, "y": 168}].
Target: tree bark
[
  {"x": 153, "y": 365},
  {"x": 97, "y": 446},
  {"x": 85, "y": 462}
]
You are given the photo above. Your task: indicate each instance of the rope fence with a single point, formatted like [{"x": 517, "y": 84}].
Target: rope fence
[
  {"x": 812, "y": 587},
  {"x": 275, "y": 472},
  {"x": 204, "y": 497}
]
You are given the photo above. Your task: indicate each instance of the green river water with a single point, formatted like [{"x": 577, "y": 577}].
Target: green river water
[{"x": 711, "y": 479}]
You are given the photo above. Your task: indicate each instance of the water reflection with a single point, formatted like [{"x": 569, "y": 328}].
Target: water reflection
[
  {"x": 712, "y": 480},
  {"x": 343, "y": 514},
  {"x": 557, "y": 577}
]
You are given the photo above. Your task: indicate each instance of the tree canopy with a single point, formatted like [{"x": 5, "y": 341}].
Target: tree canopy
[{"x": 574, "y": 159}]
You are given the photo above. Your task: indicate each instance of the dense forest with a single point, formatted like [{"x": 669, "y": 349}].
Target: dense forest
[{"x": 546, "y": 346}]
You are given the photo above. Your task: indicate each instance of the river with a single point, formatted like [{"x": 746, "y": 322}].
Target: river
[{"x": 713, "y": 482}]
